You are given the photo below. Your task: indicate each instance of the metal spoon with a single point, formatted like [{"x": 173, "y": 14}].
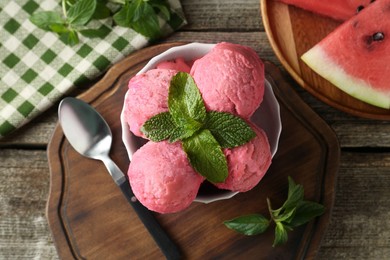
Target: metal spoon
[{"x": 90, "y": 135}]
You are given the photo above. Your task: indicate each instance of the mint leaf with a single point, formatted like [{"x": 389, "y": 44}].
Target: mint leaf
[
  {"x": 286, "y": 216},
  {"x": 45, "y": 20},
  {"x": 306, "y": 211},
  {"x": 178, "y": 134},
  {"x": 206, "y": 156},
  {"x": 249, "y": 225},
  {"x": 101, "y": 11},
  {"x": 59, "y": 28},
  {"x": 148, "y": 26},
  {"x": 229, "y": 130},
  {"x": 145, "y": 20},
  {"x": 295, "y": 194},
  {"x": 124, "y": 16},
  {"x": 185, "y": 103},
  {"x": 140, "y": 16},
  {"x": 70, "y": 37},
  {"x": 280, "y": 234},
  {"x": 294, "y": 212},
  {"x": 101, "y": 32},
  {"x": 139, "y": 10},
  {"x": 163, "y": 7},
  {"x": 81, "y": 12},
  {"x": 159, "y": 127}
]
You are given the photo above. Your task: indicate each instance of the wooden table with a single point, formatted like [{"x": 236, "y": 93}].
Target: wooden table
[{"x": 360, "y": 222}]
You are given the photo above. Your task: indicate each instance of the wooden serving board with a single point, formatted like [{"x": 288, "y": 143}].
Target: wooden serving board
[
  {"x": 90, "y": 219},
  {"x": 293, "y": 31}
]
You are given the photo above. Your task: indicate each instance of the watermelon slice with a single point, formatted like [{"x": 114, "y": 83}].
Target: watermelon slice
[
  {"x": 336, "y": 9},
  {"x": 355, "y": 57}
]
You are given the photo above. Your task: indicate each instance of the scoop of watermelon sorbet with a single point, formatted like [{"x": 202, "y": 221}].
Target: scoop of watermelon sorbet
[
  {"x": 178, "y": 64},
  {"x": 147, "y": 96},
  {"x": 231, "y": 79},
  {"x": 248, "y": 163},
  {"x": 162, "y": 178}
]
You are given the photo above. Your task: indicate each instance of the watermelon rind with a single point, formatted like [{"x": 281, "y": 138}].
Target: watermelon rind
[{"x": 317, "y": 59}]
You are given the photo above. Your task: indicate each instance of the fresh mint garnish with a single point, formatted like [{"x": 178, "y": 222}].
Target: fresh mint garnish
[
  {"x": 80, "y": 13},
  {"x": 229, "y": 130},
  {"x": 206, "y": 156},
  {"x": 185, "y": 104},
  {"x": 45, "y": 20},
  {"x": 140, "y": 15},
  {"x": 249, "y": 225},
  {"x": 294, "y": 212},
  {"x": 203, "y": 134},
  {"x": 159, "y": 127}
]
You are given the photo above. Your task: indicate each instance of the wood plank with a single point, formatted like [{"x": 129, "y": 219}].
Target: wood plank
[
  {"x": 352, "y": 131},
  {"x": 24, "y": 187},
  {"x": 35, "y": 133},
  {"x": 228, "y": 15},
  {"x": 360, "y": 227},
  {"x": 256, "y": 40}
]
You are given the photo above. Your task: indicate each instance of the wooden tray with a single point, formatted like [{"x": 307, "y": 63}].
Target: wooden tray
[
  {"x": 293, "y": 31},
  {"x": 90, "y": 219}
]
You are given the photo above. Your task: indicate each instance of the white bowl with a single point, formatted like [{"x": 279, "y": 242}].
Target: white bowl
[{"x": 267, "y": 115}]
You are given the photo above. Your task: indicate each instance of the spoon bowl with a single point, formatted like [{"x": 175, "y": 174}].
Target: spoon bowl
[
  {"x": 85, "y": 129},
  {"x": 88, "y": 133}
]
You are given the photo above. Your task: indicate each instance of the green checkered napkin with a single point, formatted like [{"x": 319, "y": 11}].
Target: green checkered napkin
[{"x": 37, "y": 68}]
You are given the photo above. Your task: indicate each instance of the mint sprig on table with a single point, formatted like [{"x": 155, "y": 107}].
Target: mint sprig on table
[
  {"x": 140, "y": 15},
  {"x": 293, "y": 213},
  {"x": 203, "y": 134}
]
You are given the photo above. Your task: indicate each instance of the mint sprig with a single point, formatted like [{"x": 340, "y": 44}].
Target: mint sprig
[
  {"x": 185, "y": 104},
  {"x": 159, "y": 127},
  {"x": 294, "y": 212},
  {"x": 206, "y": 156},
  {"x": 203, "y": 134},
  {"x": 229, "y": 130},
  {"x": 140, "y": 15}
]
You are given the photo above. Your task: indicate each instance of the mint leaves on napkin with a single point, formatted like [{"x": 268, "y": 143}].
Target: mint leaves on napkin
[
  {"x": 139, "y": 15},
  {"x": 38, "y": 68}
]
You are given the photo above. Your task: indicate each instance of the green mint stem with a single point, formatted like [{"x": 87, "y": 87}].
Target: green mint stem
[
  {"x": 122, "y": 2},
  {"x": 64, "y": 8},
  {"x": 270, "y": 209}
]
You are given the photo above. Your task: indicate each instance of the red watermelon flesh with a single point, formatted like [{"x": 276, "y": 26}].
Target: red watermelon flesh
[
  {"x": 336, "y": 9},
  {"x": 355, "y": 57}
]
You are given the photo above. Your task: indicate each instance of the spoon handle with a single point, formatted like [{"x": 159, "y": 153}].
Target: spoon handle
[
  {"x": 164, "y": 242},
  {"x": 167, "y": 246}
]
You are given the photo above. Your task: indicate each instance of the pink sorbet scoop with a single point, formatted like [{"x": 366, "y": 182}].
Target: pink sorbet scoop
[
  {"x": 247, "y": 163},
  {"x": 147, "y": 96},
  {"x": 231, "y": 79},
  {"x": 162, "y": 178},
  {"x": 178, "y": 64}
]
